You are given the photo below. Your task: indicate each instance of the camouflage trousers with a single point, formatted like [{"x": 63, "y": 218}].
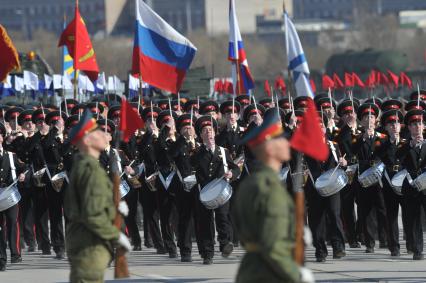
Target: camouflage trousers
[{"x": 88, "y": 265}]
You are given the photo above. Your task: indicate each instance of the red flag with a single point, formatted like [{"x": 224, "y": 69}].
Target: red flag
[
  {"x": 393, "y": 78},
  {"x": 130, "y": 121},
  {"x": 77, "y": 40},
  {"x": 218, "y": 86},
  {"x": 405, "y": 80},
  {"x": 349, "y": 80},
  {"x": 371, "y": 80},
  {"x": 9, "y": 58},
  {"x": 337, "y": 81},
  {"x": 308, "y": 137},
  {"x": 228, "y": 87},
  {"x": 382, "y": 79},
  {"x": 313, "y": 86},
  {"x": 357, "y": 81},
  {"x": 327, "y": 82},
  {"x": 267, "y": 88},
  {"x": 279, "y": 85}
]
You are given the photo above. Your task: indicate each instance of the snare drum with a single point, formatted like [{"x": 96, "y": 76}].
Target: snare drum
[
  {"x": 216, "y": 193},
  {"x": 37, "y": 178},
  {"x": 151, "y": 182},
  {"x": 372, "y": 175},
  {"x": 189, "y": 182},
  {"x": 331, "y": 182},
  {"x": 58, "y": 181},
  {"x": 351, "y": 172},
  {"x": 124, "y": 188},
  {"x": 397, "y": 181},
  {"x": 9, "y": 197},
  {"x": 420, "y": 182}
]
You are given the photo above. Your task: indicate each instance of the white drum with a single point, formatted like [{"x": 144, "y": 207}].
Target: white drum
[
  {"x": 58, "y": 181},
  {"x": 420, "y": 182},
  {"x": 216, "y": 193},
  {"x": 372, "y": 175},
  {"x": 124, "y": 188},
  {"x": 397, "y": 181},
  {"x": 331, "y": 182},
  {"x": 37, "y": 177},
  {"x": 189, "y": 182},
  {"x": 9, "y": 196}
]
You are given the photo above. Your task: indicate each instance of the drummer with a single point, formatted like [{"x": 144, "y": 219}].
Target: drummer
[
  {"x": 148, "y": 193},
  {"x": 371, "y": 199},
  {"x": 210, "y": 162},
  {"x": 387, "y": 152},
  {"x": 413, "y": 158},
  {"x": 9, "y": 226},
  {"x": 181, "y": 151},
  {"x": 321, "y": 208},
  {"x": 348, "y": 133}
]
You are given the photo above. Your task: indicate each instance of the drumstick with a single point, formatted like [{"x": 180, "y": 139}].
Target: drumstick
[
  {"x": 131, "y": 163},
  {"x": 335, "y": 169},
  {"x": 14, "y": 182}
]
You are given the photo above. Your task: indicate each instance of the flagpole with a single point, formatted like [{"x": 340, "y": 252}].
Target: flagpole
[
  {"x": 237, "y": 88},
  {"x": 299, "y": 196}
]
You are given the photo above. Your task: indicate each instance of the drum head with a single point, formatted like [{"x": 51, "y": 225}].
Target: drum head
[{"x": 212, "y": 190}]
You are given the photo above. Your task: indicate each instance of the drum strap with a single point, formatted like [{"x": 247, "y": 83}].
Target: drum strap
[
  {"x": 333, "y": 151},
  {"x": 166, "y": 182},
  {"x": 225, "y": 165},
  {"x": 118, "y": 160},
  {"x": 12, "y": 165},
  {"x": 179, "y": 175},
  {"x": 387, "y": 176},
  {"x": 410, "y": 180}
]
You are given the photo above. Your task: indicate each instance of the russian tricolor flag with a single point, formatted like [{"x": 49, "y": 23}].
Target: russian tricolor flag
[
  {"x": 161, "y": 55},
  {"x": 237, "y": 55}
]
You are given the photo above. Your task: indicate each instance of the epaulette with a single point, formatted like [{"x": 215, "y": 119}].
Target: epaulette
[{"x": 381, "y": 135}]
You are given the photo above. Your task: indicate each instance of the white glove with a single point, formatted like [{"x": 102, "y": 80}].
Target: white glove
[
  {"x": 307, "y": 236},
  {"x": 306, "y": 275},
  {"x": 123, "y": 208},
  {"x": 124, "y": 242}
]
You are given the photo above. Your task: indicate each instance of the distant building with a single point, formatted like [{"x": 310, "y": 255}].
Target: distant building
[
  {"x": 248, "y": 11},
  {"x": 101, "y": 16},
  {"x": 346, "y": 9},
  {"x": 110, "y": 17}
]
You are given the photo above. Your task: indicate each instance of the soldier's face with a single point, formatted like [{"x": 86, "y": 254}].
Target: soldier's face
[
  {"x": 28, "y": 126},
  {"x": 187, "y": 131},
  {"x": 281, "y": 149},
  {"x": 349, "y": 117},
  {"x": 207, "y": 135},
  {"x": 393, "y": 128},
  {"x": 98, "y": 140},
  {"x": 368, "y": 121},
  {"x": 232, "y": 118},
  {"x": 416, "y": 128}
]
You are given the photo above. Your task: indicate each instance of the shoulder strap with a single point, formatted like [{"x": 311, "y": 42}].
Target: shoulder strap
[
  {"x": 225, "y": 165},
  {"x": 12, "y": 165},
  {"x": 117, "y": 155}
]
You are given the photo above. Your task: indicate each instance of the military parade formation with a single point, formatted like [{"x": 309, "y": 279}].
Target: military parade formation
[{"x": 189, "y": 168}]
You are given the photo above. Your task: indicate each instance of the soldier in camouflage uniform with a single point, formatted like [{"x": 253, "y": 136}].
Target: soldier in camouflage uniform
[
  {"x": 264, "y": 211},
  {"x": 89, "y": 207}
]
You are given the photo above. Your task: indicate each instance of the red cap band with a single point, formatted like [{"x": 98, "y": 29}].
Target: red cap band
[
  {"x": 415, "y": 118},
  {"x": 210, "y": 108},
  {"x": 348, "y": 109}
]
